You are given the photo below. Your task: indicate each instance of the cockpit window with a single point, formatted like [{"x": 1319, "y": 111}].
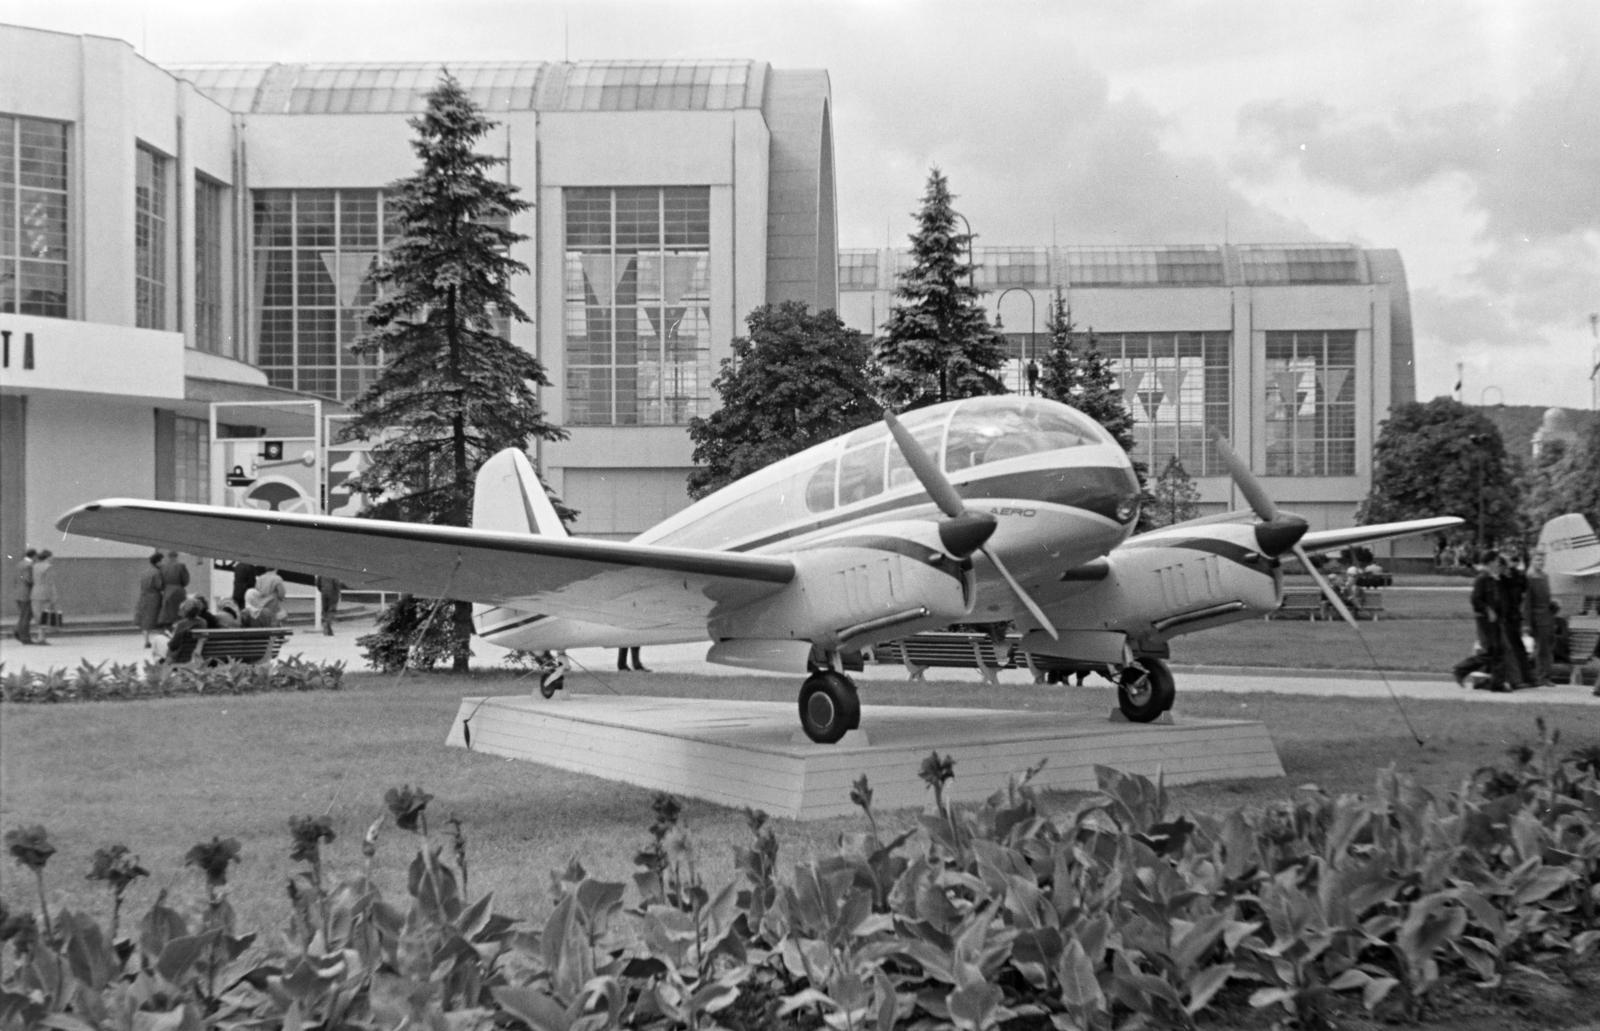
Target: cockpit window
[
  {"x": 819, "y": 489},
  {"x": 992, "y": 429},
  {"x": 861, "y": 473}
]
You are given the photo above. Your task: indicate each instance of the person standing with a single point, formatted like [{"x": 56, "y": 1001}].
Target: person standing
[
  {"x": 174, "y": 588},
  {"x": 244, "y": 578},
  {"x": 622, "y": 660},
  {"x": 24, "y": 630},
  {"x": 147, "y": 610},
  {"x": 44, "y": 594},
  {"x": 1513, "y": 589},
  {"x": 1541, "y": 617},
  {"x": 1486, "y": 665},
  {"x": 273, "y": 594},
  {"x": 330, "y": 588}
]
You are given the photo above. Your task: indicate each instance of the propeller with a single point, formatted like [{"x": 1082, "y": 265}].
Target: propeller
[
  {"x": 962, "y": 531},
  {"x": 1278, "y": 533}
]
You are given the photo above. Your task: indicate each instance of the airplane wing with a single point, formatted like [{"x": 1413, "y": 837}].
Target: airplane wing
[
  {"x": 1328, "y": 540},
  {"x": 635, "y": 586}
]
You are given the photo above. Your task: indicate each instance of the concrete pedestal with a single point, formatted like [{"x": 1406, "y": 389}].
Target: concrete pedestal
[{"x": 747, "y": 753}]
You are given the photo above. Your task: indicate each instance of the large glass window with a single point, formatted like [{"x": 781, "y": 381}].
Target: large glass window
[
  {"x": 33, "y": 217},
  {"x": 314, "y": 251},
  {"x": 208, "y": 221},
  {"x": 1177, "y": 386},
  {"x": 1311, "y": 403},
  {"x": 191, "y": 479},
  {"x": 150, "y": 239},
  {"x": 638, "y": 305}
]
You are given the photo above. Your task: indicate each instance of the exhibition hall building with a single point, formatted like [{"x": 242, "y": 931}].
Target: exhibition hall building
[
  {"x": 1295, "y": 352},
  {"x": 175, "y": 238}
]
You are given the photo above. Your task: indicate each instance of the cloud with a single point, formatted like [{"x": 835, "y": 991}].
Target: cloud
[
  {"x": 1534, "y": 162},
  {"x": 1027, "y": 145}
]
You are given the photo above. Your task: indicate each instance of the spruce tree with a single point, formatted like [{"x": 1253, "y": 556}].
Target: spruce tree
[
  {"x": 1175, "y": 497},
  {"x": 798, "y": 379},
  {"x": 1076, "y": 372},
  {"x": 451, "y": 392},
  {"x": 938, "y": 343}
]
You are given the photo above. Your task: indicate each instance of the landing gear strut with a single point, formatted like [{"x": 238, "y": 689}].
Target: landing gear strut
[
  {"x": 829, "y": 706},
  {"x": 1145, "y": 689}
]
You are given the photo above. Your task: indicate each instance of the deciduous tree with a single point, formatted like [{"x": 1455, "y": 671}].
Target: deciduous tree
[
  {"x": 1565, "y": 478},
  {"x": 1438, "y": 458},
  {"x": 452, "y": 392},
  {"x": 798, "y": 379},
  {"x": 938, "y": 344}
]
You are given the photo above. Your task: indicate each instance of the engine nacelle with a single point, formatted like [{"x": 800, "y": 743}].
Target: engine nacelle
[
  {"x": 1162, "y": 585},
  {"x": 868, "y": 585}
]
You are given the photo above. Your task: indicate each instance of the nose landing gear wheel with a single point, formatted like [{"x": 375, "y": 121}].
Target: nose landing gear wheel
[
  {"x": 552, "y": 673},
  {"x": 1145, "y": 690},
  {"x": 829, "y": 707}
]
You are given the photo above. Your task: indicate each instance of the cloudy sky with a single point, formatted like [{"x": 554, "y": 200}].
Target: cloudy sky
[{"x": 1465, "y": 134}]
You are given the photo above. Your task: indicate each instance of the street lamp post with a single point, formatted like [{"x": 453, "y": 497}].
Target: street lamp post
[
  {"x": 1033, "y": 328},
  {"x": 971, "y": 282}
]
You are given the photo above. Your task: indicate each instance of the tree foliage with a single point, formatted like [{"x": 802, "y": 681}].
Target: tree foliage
[
  {"x": 798, "y": 379},
  {"x": 1174, "y": 497},
  {"x": 1076, "y": 372},
  {"x": 1438, "y": 458},
  {"x": 1565, "y": 478},
  {"x": 452, "y": 392},
  {"x": 938, "y": 344}
]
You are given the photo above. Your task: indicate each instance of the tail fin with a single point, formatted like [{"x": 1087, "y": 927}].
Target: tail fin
[
  {"x": 1570, "y": 546},
  {"x": 509, "y": 497}
]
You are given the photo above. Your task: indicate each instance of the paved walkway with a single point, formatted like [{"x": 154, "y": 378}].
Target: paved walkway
[{"x": 690, "y": 659}]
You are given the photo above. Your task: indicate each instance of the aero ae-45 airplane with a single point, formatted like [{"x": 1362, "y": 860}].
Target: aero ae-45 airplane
[{"x": 981, "y": 510}]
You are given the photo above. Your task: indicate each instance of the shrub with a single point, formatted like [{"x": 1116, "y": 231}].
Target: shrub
[
  {"x": 94, "y": 682},
  {"x": 1124, "y": 912},
  {"x": 410, "y": 633}
]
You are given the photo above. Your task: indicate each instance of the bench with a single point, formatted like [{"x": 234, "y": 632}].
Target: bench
[
  {"x": 245, "y": 644},
  {"x": 1309, "y": 602}
]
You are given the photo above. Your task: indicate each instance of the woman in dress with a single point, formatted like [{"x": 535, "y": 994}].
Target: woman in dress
[
  {"x": 174, "y": 588},
  {"x": 147, "y": 613},
  {"x": 43, "y": 594}
]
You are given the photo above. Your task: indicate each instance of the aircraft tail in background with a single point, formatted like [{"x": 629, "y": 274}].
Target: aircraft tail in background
[
  {"x": 508, "y": 497},
  {"x": 1570, "y": 546}
]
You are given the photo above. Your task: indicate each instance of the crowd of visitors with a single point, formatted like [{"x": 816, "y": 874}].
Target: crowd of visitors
[{"x": 1511, "y": 592}]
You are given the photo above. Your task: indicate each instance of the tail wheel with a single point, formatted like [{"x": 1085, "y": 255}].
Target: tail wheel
[
  {"x": 1145, "y": 690},
  {"x": 552, "y": 673},
  {"x": 829, "y": 707}
]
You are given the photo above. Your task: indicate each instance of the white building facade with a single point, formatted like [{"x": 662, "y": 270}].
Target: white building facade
[
  {"x": 171, "y": 237},
  {"x": 1295, "y": 352}
]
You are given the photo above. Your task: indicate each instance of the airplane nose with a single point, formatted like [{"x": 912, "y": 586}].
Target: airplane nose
[{"x": 1277, "y": 536}]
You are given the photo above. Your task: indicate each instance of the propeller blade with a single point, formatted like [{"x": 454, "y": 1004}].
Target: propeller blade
[
  {"x": 1327, "y": 589},
  {"x": 926, "y": 469},
  {"x": 1249, "y": 486},
  {"x": 1032, "y": 606}
]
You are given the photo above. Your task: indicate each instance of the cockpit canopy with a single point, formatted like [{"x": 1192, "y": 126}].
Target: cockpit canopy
[{"x": 961, "y": 435}]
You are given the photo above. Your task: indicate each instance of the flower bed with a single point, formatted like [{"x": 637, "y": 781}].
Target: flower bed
[
  {"x": 98, "y": 682},
  {"x": 1410, "y": 906}
]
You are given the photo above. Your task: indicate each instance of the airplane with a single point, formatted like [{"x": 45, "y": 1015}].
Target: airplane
[
  {"x": 984, "y": 509},
  {"x": 1571, "y": 560}
]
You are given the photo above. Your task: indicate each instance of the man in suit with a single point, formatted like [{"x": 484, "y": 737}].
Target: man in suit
[
  {"x": 1537, "y": 609},
  {"x": 1486, "y": 666}
]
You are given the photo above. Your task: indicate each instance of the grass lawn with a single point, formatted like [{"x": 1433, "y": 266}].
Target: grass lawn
[
  {"x": 161, "y": 775},
  {"x": 1430, "y": 645}
]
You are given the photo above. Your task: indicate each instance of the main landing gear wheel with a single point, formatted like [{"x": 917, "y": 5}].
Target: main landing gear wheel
[
  {"x": 1145, "y": 690},
  {"x": 829, "y": 707}
]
